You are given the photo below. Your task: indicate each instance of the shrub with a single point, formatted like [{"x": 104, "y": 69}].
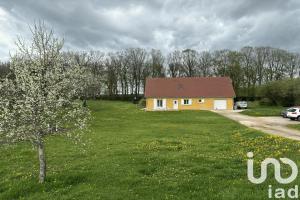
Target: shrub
[
  {"x": 142, "y": 103},
  {"x": 284, "y": 92},
  {"x": 265, "y": 102}
]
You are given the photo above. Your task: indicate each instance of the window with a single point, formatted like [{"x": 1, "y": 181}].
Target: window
[
  {"x": 159, "y": 103},
  {"x": 186, "y": 102},
  {"x": 201, "y": 100}
]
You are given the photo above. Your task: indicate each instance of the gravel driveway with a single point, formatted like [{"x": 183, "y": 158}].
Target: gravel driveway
[{"x": 270, "y": 125}]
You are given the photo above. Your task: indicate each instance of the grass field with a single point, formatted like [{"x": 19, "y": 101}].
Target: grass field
[
  {"x": 132, "y": 154},
  {"x": 295, "y": 126},
  {"x": 254, "y": 109}
]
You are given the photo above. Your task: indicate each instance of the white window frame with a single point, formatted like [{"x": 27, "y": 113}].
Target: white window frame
[
  {"x": 157, "y": 107},
  {"x": 161, "y": 104},
  {"x": 188, "y": 104}
]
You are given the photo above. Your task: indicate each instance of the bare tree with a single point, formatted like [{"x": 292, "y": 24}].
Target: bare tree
[
  {"x": 174, "y": 63},
  {"x": 292, "y": 64},
  {"x": 190, "y": 62},
  {"x": 137, "y": 58},
  {"x": 220, "y": 62},
  {"x": 157, "y": 63},
  {"x": 260, "y": 57},
  {"x": 112, "y": 67},
  {"x": 122, "y": 60},
  {"x": 249, "y": 71},
  {"x": 205, "y": 64}
]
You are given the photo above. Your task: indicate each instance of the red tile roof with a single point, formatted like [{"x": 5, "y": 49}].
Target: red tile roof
[{"x": 193, "y": 87}]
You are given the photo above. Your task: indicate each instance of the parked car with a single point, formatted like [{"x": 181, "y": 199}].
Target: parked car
[
  {"x": 294, "y": 114},
  {"x": 241, "y": 105},
  {"x": 284, "y": 112}
]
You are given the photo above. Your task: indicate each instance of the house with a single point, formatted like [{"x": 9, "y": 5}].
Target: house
[{"x": 193, "y": 93}]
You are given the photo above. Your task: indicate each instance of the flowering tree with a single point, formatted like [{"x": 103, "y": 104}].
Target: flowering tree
[{"x": 39, "y": 96}]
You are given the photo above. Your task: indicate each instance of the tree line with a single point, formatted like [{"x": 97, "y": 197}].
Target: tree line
[{"x": 125, "y": 72}]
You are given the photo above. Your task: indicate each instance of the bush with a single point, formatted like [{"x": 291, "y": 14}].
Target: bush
[
  {"x": 265, "y": 102},
  {"x": 284, "y": 92},
  {"x": 253, "y": 104},
  {"x": 142, "y": 103}
]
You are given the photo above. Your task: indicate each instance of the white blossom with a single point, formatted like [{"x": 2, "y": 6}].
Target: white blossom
[{"x": 41, "y": 94}]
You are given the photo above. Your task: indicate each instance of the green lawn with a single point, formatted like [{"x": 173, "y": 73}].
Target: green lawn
[
  {"x": 295, "y": 126},
  {"x": 259, "y": 111},
  {"x": 132, "y": 154}
]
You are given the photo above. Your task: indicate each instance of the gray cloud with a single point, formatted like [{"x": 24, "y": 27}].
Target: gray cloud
[{"x": 166, "y": 25}]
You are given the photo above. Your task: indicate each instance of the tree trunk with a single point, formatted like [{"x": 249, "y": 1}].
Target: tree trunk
[{"x": 42, "y": 160}]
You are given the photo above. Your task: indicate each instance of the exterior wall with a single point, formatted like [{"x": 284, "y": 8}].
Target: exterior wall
[
  {"x": 208, "y": 104},
  {"x": 230, "y": 103},
  {"x": 149, "y": 104}
]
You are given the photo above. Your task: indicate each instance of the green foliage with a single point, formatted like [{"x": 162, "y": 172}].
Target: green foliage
[
  {"x": 284, "y": 92},
  {"x": 265, "y": 102},
  {"x": 142, "y": 103},
  {"x": 133, "y": 154}
]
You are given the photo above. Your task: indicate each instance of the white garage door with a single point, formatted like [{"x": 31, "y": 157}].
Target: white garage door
[{"x": 220, "y": 104}]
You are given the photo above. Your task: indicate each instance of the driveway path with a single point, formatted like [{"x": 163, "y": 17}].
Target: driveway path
[{"x": 270, "y": 125}]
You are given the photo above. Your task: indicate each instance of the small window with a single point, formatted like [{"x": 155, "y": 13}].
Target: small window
[
  {"x": 201, "y": 100},
  {"x": 159, "y": 103},
  {"x": 186, "y": 102}
]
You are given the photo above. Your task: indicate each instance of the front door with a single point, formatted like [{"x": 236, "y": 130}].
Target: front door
[{"x": 175, "y": 104}]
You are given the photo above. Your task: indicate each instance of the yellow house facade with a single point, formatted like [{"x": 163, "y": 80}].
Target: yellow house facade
[
  {"x": 155, "y": 104},
  {"x": 197, "y": 93}
]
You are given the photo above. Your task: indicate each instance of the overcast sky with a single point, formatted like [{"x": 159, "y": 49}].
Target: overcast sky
[{"x": 166, "y": 25}]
